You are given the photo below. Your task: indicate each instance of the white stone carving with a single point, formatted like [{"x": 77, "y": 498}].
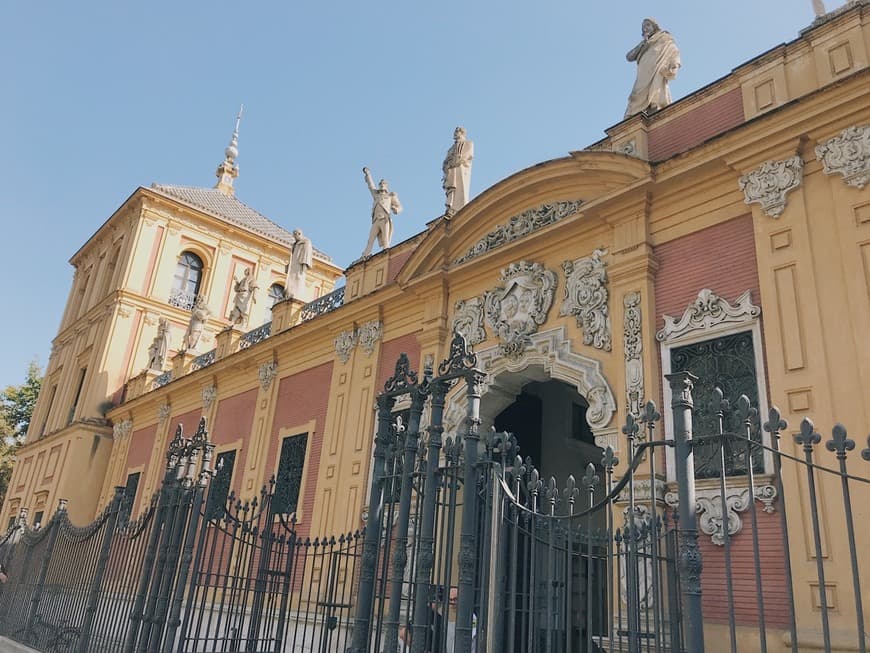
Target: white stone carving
[
  {"x": 519, "y": 304},
  {"x": 163, "y": 411},
  {"x": 642, "y": 491},
  {"x": 586, "y": 298},
  {"x": 266, "y": 373},
  {"x": 633, "y": 346},
  {"x": 457, "y": 172},
  {"x": 658, "y": 60},
  {"x": 708, "y": 504},
  {"x": 707, "y": 311},
  {"x": 344, "y": 344},
  {"x": 122, "y": 429},
  {"x": 209, "y": 394},
  {"x": 769, "y": 184},
  {"x": 368, "y": 334},
  {"x": 847, "y": 154},
  {"x": 468, "y": 320}
]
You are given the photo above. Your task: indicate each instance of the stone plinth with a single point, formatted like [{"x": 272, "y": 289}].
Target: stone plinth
[
  {"x": 141, "y": 383},
  {"x": 181, "y": 363},
  {"x": 285, "y": 314},
  {"x": 227, "y": 342}
]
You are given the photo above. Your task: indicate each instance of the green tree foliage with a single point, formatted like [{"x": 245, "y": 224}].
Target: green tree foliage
[{"x": 16, "y": 408}]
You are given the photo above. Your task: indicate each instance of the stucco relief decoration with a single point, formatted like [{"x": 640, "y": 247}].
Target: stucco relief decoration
[
  {"x": 847, "y": 154},
  {"x": 521, "y": 225},
  {"x": 707, "y": 311},
  {"x": 519, "y": 305},
  {"x": 266, "y": 373},
  {"x": 368, "y": 334},
  {"x": 711, "y": 517},
  {"x": 163, "y": 412},
  {"x": 209, "y": 394},
  {"x": 344, "y": 344},
  {"x": 633, "y": 346},
  {"x": 769, "y": 184},
  {"x": 586, "y": 298},
  {"x": 468, "y": 320},
  {"x": 122, "y": 429}
]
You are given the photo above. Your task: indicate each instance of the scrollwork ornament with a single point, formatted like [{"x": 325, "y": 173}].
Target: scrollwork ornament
[
  {"x": 709, "y": 310},
  {"x": 769, "y": 184},
  {"x": 368, "y": 334},
  {"x": 847, "y": 154},
  {"x": 266, "y": 372},
  {"x": 163, "y": 412},
  {"x": 122, "y": 429},
  {"x": 344, "y": 344},
  {"x": 209, "y": 394},
  {"x": 403, "y": 377},
  {"x": 633, "y": 347},
  {"x": 586, "y": 298},
  {"x": 468, "y": 320},
  {"x": 460, "y": 358}
]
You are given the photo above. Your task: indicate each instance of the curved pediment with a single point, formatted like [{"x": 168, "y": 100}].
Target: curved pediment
[{"x": 520, "y": 205}]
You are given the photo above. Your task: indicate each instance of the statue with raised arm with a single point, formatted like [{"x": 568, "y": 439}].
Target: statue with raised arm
[
  {"x": 158, "y": 350},
  {"x": 244, "y": 289},
  {"x": 457, "y": 171},
  {"x": 658, "y": 61},
  {"x": 383, "y": 203},
  {"x": 300, "y": 262},
  {"x": 198, "y": 316}
]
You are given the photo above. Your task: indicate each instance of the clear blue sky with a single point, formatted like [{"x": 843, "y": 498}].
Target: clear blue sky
[{"x": 103, "y": 96}]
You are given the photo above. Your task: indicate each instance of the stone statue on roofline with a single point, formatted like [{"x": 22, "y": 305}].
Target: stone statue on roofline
[
  {"x": 384, "y": 202},
  {"x": 658, "y": 61},
  {"x": 457, "y": 171},
  {"x": 158, "y": 350},
  {"x": 301, "y": 258},
  {"x": 244, "y": 294},
  {"x": 198, "y": 316}
]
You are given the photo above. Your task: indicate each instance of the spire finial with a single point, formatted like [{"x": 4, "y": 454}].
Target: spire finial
[{"x": 228, "y": 170}]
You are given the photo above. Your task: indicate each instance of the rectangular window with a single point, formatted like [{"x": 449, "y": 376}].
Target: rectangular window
[
  {"x": 51, "y": 397},
  {"x": 290, "y": 469},
  {"x": 219, "y": 488},
  {"x": 130, "y": 489},
  {"x": 37, "y": 519},
  {"x": 727, "y": 362},
  {"x": 75, "y": 403}
]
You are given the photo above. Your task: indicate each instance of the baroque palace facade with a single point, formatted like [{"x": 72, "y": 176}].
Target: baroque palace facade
[{"x": 727, "y": 233}]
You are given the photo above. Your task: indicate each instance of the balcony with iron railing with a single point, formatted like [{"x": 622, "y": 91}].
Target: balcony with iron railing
[{"x": 181, "y": 299}]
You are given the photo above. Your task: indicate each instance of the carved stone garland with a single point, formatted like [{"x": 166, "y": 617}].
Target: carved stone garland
[
  {"x": 586, "y": 298},
  {"x": 468, "y": 320},
  {"x": 847, "y": 154},
  {"x": 519, "y": 305},
  {"x": 707, "y": 311},
  {"x": 771, "y": 182},
  {"x": 366, "y": 336},
  {"x": 633, "y": 341},
  {"x": 344, "y": 344}
]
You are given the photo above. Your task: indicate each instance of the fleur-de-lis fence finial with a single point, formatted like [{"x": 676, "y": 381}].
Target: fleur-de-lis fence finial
[
  {"x": 839, "y": 442},
  {"x": 775, "y": 424},
  {"x": 808, "y": 437},
  {"x": 571, "y": 492}
]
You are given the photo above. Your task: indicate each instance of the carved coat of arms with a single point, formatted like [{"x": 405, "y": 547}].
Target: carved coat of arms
[{"x": 519, "y": 304}]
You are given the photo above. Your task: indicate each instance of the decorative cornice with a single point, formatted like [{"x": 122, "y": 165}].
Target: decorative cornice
[
  {"x": 707, "y": 311},
  {"x": 586, "y": 298},
  {"x": 468, "y": 320},
  {"x": 708, "y": 504},
  {"x": 769, "y": 184},
  {"x": 521, "y": 225},
  {"x": 847, "y": 154},
  {"x": 266, "y": 373}
]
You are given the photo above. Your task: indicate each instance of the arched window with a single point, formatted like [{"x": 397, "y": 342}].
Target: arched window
[
  {"x": 188, "y": 276},
  {"x": 276, "y": 294}
]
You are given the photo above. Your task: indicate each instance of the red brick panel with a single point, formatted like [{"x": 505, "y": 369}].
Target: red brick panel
[
  {"x": 696, "y": 126},
  {"x": 235, "y": 416},
  {"x": 390, "y": 352},
  {"x": 301, "y": 398},
  {"x": 141, "y": 446},
  {"x": 714, "y": 586},
  {"x": 396, "y": 263}
]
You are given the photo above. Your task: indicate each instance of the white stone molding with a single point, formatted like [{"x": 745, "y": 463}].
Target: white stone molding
[
  {"x": 344, "y": 344},
  {"x": 519, "y": 304},
  {"x": 586, "y": 298},
  {"x": 547, "y": 356},
  {"x": 163, "y": 412},
  {"x": 209, "y": 394},
  {"x": 468, "y": 320},
  {"x": 520, "y": 226},
  {"x": 368, "y": 334},
  {"x": 642, "y": 491},
  {"x": 266, "y": 372},
  {"x": 708, "y": 504},
  {"x": 122, "y": 429},
  {"x": 847, "y": 154},
  {"x": 708, "y": 311},
  {"x": 633, "y": 346},
  {"x": 769, "y": 184}
]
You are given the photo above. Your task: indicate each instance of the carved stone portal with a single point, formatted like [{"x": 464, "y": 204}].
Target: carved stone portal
[
  {"x": 771, "y": 182},
  {"x": 848, "y": 154},
  {"x": 586, "y": 298},
  {"x": 519, "y": 305},
  {"x": 468, "y": 320}
]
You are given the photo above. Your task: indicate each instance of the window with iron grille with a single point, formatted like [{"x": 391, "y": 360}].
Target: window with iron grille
[
  {"x": 288, "y": 480},
  {"x": 219, "y": 488},
  {"x": 130, "y": 489}
]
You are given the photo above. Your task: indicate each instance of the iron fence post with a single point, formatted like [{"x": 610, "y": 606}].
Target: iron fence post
[
  {"x": 54, "y": 524},
  {"x": 690, "y": 555},
  {"x": 99, "y": 572},
  {"x": 365, "y": 594}
]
